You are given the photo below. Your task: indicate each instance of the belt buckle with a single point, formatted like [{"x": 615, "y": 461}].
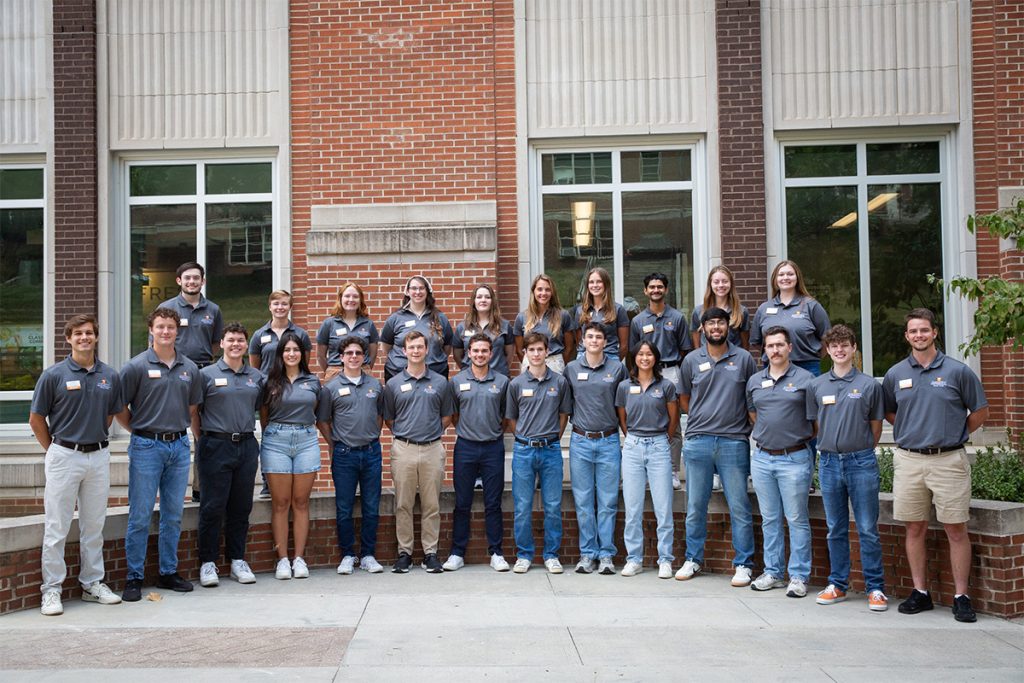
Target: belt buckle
[{"x": 236, "y": 437}]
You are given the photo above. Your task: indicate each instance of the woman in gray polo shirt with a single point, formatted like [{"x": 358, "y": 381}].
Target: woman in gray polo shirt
[
  {"x": 417, "y": 312},
  {"x": 546, "y": 316}
]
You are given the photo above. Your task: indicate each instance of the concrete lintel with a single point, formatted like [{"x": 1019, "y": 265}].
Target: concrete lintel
[{"x": 362, "y": 216}]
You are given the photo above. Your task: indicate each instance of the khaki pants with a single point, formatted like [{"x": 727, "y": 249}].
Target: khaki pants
[{"x": 417, "y": 468}]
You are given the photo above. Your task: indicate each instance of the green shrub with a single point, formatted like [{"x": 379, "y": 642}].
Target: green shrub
[
  {"x": 997, "y": 473},
  {"x": 885, "y": 469}
]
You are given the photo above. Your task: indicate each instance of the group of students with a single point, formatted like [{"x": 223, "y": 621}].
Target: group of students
[{"x": 591, "y": 367}]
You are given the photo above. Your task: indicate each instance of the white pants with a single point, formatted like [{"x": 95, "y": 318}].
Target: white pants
[{"x": 74, "y": 476}]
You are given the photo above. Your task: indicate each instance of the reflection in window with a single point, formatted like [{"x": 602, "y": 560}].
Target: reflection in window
[
  {"x": 567, "y": 256},
  {"x": 238, "y": 261}
]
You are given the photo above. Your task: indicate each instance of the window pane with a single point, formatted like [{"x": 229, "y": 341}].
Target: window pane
[
  {"x": 564, "y": 261},
  {"x": 21, "y": 183},
  {"x": 151, "y": 181},
  {"x": 163, "y": 237},
  {"x": 905, "y": 234},
  {"x": 584, "y": 168},
  {"x": 821, "y": 161},
  {"x": 237, "y": 178},
  {"x": 657, "y": 235},
  {"x": 903, "y": 157},
  {"x": 14, "y": 412},
  {"x": 21, "y": 298},
  {"x": 652, "y": 167},
  {"x": 238, "y": 261}
]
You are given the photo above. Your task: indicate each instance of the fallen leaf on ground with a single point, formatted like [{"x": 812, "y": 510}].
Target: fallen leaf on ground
[{"x": 154, "y": 597}]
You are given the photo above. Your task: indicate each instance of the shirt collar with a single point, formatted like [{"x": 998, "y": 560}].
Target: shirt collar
[
  {"x": 530, "y": 376},
  {"x": 224, "y": 367},
  {"x": 151, "y": 357},
  {"x": 604, "y": 359},
  {"x": 936, "y": 363},
  {"x": 847, "y": 378}
]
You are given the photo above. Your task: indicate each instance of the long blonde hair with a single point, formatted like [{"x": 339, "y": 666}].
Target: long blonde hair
[
  {"x": 735, "y": 309},
  {"x": 607, "y": 306},
  {"x": 801, "y": 288},
  {"x": 554, "y": 311}
]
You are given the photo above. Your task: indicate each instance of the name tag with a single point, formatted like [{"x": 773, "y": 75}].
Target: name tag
[
  {"x": 527, "y": 393},
  {"x": 74, "y": 385},
  {"x": 468, "y": 333},
  {"x": 183, "y": 322},
  {"x": 828, "y": 400},
  {"x": 464, "y": 386},
  {"x": 767, "y": 384},
  {"x": 344, "y": 391},
  {"x": 339, "y": 331},
  {"x": 582, "y": 376},
  {"x": 634, "y": 390},
  {"x": 771, "y": 311},
  {"x": 406, "y": 387},
  {"x": 154, "y": 374},
  {"x": 220, "y": 381},
  {"x": 648, "y": 328},
  {"x": 410, "y": 323},
  {"x": 266, "y": 339},
  {"x": 704, "y": 367},
  {"x": 906, "y": 383}
]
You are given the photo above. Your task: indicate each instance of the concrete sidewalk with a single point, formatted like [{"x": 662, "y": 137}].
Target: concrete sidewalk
[{"x": 477, "y": 624}]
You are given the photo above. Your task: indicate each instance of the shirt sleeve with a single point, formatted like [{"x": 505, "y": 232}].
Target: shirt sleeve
[
  {"x": 971, "y": 391},
  {"x": 685, "y": 378},
  {"x": 304, "y": 340},
  {"x": 634, "y": 333},
  {"x": 568, "y": 323},
  {"x": 755, "y": 326},
  {"x": 116, "y": 403},
  {"x": 254, "y": 343},
  {"x": 621, "y": 317},
  {"x": 511, "y": 402},
  {"x": 42, "y": 399},
  {"x": 517, "y": 326},
  {"x": 888, "y": 395},
  {"x": 374, "y": 335},
  {"x": 876, "y": 406},
  {"x": 745, "y": 322},
  {"x": 195, "y": 390},
  {"x": 565, "y": 405},
  {"x": 218, "y": 326},
  {"x": 129, "y": 383},
  {"x": 323, "y": 335},
  {"x": 811, "y": 400},
  {"x": 670, "y": 391},
  {"x": 387, "y": 403},
  {"x": 620, "y": 394},
  {"x": 324, "y": 407},
  {"x": 820, "y": 319},
  {"x": 448, "y": 404},
  {"x": 446, "y": 329},
  {"x": 685, "y": 343},
  {"x": 457, "y": 341},
  {"x": 387, "y": 335},
  {"x": 751, "y": 408}
]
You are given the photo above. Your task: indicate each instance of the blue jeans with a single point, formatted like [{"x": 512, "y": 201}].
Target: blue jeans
[
  {"x": 472, "y": 459},
  {"x": 527, "y": 465},
  {"x": 155, "y": 466},
  {"x": 731, "y": 457},
  {"x": 647, "y": 459},
  {"x": 594, "y": 466},
  {"x": 349, "y": 467},
  {"x": 853, "y": 478},
  {"x": 781, "y": 483}
]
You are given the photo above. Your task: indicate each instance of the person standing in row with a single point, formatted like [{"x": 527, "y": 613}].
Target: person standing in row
[
  {"x": 485, "y": 316},
  {"x": 264, "y": 341},
  {"x": 162, "y": 392},
  {"x": 599, "y": 307},
  {"x": 229, "y": 456},
  {"x": 357, "y": 404},
  {"x": 418, "y": 313},
  {"x": 480, "y": 394},
  {"x": 720, "y": 293},
  {"x": 594, "y": 453},
  {"x": 72, "y": 407},
  {"x": 544, "y": 315},
  {"x": 350, "y": 317}
]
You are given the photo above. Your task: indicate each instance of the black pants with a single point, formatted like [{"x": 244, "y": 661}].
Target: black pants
[
  {"x": 484, "y": 459},
  {"x": 227, "y": 469}
]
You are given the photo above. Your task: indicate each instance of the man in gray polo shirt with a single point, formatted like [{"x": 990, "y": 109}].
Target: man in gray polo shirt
[
  {"x": 479, "y": 394},
  {"x": 418, "y": 408},
  {"x": 162, "y": 392},
  {"x": 713, "y": 394},
  {"x": 933, "y": 403},
  {"x": 594, "y": 453},
  {"x": 201, "y": 323},
  {"x": 538, "y": 406},
  {"x": 72, "y": 408}
]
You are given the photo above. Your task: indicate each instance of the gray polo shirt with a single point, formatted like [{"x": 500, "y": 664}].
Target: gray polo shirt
[
  {"x": 735, "y": 333},
  {"x": 499, "y": 363},
  {"x": 556, "y": 345},
  {"x": 535, "y": 404},
  {"x": 805, "y": 320},
  {"x": 646, "y": 410},
  {"x": 931, "y": 404},
  {"x": 263, "y": 343},
  {"x": 401, "y": 323},
  {"x": 593, "y": 392},
  {"x": 333, "y": 330},
  {"x": 159, "y": 396},
  {"x": 230, "y": 399},
  {"x": 480, "y": 405},
  {"x": 785, "y": 408},
  {"x": 611, "y": 328},
  {"x": 415, "y": 406},
  {"x": 355, "y": 409},
  {"x": 718, "y": 392},
  {"x": 845, "y": 406},
  {"x": 303, "y": 402},
  {"x": 668, "y": 332},
  {"x": 199, "y": 329},
  {"x": 76, "y": 401}
]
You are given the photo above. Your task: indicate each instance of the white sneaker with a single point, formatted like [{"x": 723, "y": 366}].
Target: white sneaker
[
  {"x": 766, "y": 582},
  {"x": 553, "y": 565},
  {"x": 606, "y": 566},
  {"x": 101, "y": 593},
  {"x": 454, "y": 563},
  {"x": 498, "y": 563},
  {"x": 585, "y": 565},
  {"x": 299, "y": 568},
  {"x": 522, "y": 566},
  {"x": 371, "y": 565},
  {"x": 716, "y": 483},
  {"x": 689, "y": 570},
  {"x": 676, "y": 484},
  {"x": 284, "y": 569},
  {"x": 347, "y": 565},
  {"x": 797, "y": 588},
  {"x": 741, "y": 577},
  {"x": 632, "y": 568},
  {"x": 52, "y": 605},
  {"x": 664, "y": 570},
  {"x": 208, "y": 575},
  {"x": 241, "y": 572}
]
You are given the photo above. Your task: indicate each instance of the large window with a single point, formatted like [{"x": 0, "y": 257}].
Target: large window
[
  {"x": 217, "y": 213},
  {"x": 864, "y": 222},
  {"x": 628, "y": 211},
  {"x": 22, "y": 221}
]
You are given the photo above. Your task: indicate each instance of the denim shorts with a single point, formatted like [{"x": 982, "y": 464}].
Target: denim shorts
[{"x": 289, "y": 449}]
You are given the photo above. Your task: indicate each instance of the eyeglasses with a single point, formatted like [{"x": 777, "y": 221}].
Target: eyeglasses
[
  {"x": 416, "y": 289},
  {"x": 352, "y": 353}
]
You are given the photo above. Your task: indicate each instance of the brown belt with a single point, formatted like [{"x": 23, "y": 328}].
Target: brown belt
[
  {"x": 593, "y": 435},
  {"x": 784, "y": 451}
]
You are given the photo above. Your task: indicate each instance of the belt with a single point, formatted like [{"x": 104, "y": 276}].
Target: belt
[
  {"x": 417, "y": 443},
  {"x": 230, "y": 436},
  {"x": 785, "y": 451},
  {"x": 81, "y": 447},
  {"x": 670, "y": 364},
  {"x": 203, "y": 363},
  {"x": 166, "y": 436},
  {"x": 536, "y": 443},
  {"x": 593, "y": 435},
  {"x": 934, "y": 451}
]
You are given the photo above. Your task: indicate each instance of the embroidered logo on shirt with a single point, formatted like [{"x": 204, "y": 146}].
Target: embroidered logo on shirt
[
  {"x": 250, "y": 383},
  {"x": 789, "y": 387},
  {"x": 668, "y": 324},
  {"x": 855, "y": 393},
  {"x": 429, "y": 389},
  {"x": 608, "y": 377},
  {"x": 552, "y": 391},
  {"x": 798, "y": 314},
  {"x": 732, "y": 367},
  {"x": 183, "y": 376},
  {"x": 938, "y": 382},
  {"x": 103, "y": 384},
  {"x": 657, "y": 393},
  {"x": 207, "y": 319},
  {"x": 494, "y": 389}
]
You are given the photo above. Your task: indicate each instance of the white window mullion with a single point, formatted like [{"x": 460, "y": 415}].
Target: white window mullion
[
  {"x": 201, "y": 216},
  {"x": 864, "y": 261}
]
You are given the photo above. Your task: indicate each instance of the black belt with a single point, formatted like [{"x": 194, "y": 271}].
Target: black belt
[
  {"x": 670, "y": 364},
  {"x": 537, "y": 443},
  {"x": 417, "y": 443},
  {"x": 933, "y": 451},
  {"x": 784, "y": 451},
  {"x": 81, "y": 447},
  {"x": 230, "y": 436},
  {"x": 166, "y": 436},
  {"x": 203, "y": 363},
  {"x": 593, "y": 435}
]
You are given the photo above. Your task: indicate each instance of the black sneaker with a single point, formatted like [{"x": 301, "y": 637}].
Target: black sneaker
[
  {"x": 963, "y": 611},
  {"x": 175, "y": 582},
  {"x": 432, "y": 564},
  {"x": 195, "y": 495},
  {"x": 265, "y": 492},
  {"x": 402, "y": 564},
  {"x": 132, "y": 590},
  {"x": 917, "y": 602}
]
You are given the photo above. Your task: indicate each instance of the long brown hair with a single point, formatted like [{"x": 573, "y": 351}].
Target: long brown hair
[
  {"x": 472, "y": 321},
  {"x": 554, "y": 311},
  {"x": 735, "y": 309},
  {"x": 607, "y": 306},
  {"x": 801, "y": 287},
  {"x": 361, "y": 312},
  {"x": 429, "y": 303}
]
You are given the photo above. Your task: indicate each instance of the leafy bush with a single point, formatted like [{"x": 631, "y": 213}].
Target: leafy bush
[{"x": 997, "y": 473}]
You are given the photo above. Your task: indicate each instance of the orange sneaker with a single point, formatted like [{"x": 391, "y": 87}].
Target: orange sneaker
[
  {"x": 877, "y": 602},
  {"x": 831, "y": 595}
]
